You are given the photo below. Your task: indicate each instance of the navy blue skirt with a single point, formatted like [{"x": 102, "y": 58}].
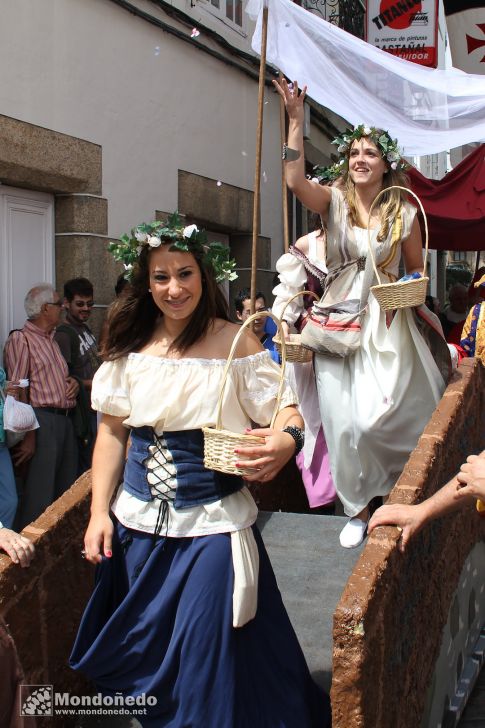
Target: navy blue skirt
[{"x": 159, "y": 622}]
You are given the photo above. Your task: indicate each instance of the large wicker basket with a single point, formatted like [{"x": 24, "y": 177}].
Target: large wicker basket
[
  {"x": 294, "y": 350},
  {"x": 219, "y": 444},
  {"x": 401, "y": 294}
]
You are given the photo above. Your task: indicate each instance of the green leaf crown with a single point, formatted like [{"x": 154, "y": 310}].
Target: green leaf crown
[
  {"x": 187, "y": 239},
  {"x": 383, "y": 141}
]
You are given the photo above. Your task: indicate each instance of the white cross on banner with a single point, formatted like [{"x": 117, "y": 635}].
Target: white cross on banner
[
  {"x": 428, "y": 110},
  {"x": 466, "y": 29}
]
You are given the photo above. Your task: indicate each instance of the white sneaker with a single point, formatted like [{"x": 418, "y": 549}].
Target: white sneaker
[{"x": 353, "y": 533}]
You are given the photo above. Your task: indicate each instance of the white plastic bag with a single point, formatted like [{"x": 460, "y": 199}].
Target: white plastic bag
[{"x": 17, "y": 416}]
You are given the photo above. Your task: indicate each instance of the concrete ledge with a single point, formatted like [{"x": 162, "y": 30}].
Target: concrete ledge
[
  {"x": 46, "y": 160},
  {"x": 81, "y": 214},
  {"x": 200, "y": 198},
  {"x": 389, "y": 623},
  {"x": 42, "y": 605},
  {"x": 88, "y": 256}
]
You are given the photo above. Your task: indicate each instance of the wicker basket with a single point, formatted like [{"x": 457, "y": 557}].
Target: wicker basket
[
  {"x": 294, "y": 350},
  {"x": 219, "y": 444},
  {"x": 401, "y": 294}
]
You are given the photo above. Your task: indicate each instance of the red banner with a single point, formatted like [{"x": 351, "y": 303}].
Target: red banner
[{"x": 405, "y": 28}]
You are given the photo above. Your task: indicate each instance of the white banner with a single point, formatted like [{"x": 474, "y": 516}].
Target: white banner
[
  {"x": 407, "y": 29},
  {"x": 428, "y": 110}
]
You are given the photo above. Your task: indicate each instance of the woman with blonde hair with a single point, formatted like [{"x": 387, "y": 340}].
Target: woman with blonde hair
[{"x": 375, "y": 401}]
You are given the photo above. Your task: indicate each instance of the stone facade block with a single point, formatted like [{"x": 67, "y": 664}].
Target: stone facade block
[
  {"x": 42, "y": 159},
  {"x": 88, "y": 256},
  {"x": 81, "y": 214},
  {"x": 227, "y": 208},
  {"x": 241, "y": 249}
]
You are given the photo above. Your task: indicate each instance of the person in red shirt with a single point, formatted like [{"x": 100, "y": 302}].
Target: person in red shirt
[{"x": 49, "y": 454}]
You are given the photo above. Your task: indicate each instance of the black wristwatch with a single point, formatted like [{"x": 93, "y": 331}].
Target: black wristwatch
[{"x": 298, "y": 435}]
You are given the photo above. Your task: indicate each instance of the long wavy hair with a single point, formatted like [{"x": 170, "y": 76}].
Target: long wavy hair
[
  {"x": 133, "y": 316},
  {"x": 389, "y": 204}
]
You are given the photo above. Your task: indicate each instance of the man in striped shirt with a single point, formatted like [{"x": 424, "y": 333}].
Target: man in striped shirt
[{"x": 49, "y": 453}]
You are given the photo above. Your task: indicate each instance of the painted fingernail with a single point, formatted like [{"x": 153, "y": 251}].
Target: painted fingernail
[
  {"x": 109, "y": 554},
  {"x": 248, "y": 429},
  {"x": 235, "y": 452}
]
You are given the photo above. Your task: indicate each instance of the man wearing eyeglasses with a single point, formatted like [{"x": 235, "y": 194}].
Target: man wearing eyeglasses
[
  {"x": 80, "y": 350},
  {"x": 47, "y": 457}
]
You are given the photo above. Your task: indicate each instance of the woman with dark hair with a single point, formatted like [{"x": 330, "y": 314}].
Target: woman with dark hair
[
  {"x": 186, "y": 614},
  {"x": 375, "y": 402}
]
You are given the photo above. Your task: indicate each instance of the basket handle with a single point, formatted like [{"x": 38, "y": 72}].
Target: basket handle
[
  {"x": 248, "y": 322},
  {"x": 405, "y": 189},
  {"x": 300, "y": 293}
]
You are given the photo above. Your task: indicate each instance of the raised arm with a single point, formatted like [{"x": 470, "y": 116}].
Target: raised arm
[{"x": 311, "y": 194}]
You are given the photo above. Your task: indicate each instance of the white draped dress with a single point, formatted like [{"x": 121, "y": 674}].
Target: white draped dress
[{"x": 375, "y": 403}]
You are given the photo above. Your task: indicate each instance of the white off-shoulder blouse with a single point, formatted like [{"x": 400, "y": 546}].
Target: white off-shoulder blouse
[{"x": 181, "y": 394}]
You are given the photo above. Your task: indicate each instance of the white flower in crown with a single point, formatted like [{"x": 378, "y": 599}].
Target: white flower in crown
[
  {"x": 141, "y": 237},
  {"x": 128, "y": 266},
  {"x": 393, "y": 165},
  {"x": 367, "y": 130},
  {"x": 187, "y": 231},
  {"x": 342, "y": 148},
  {"x": 139, "y": 248},
  {"x": 393, "y": 156},
  {"x": 154, "y": 241}
]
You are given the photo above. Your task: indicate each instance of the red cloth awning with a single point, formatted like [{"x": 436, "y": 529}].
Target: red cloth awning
[{"x": 455, "y": 204}]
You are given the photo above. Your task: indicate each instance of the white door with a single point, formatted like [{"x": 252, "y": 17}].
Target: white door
[{"x": 26, "y": 251}]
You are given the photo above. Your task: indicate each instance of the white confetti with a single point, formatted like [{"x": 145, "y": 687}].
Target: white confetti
[
  {"x": 157, "y": 50},
  {"x": 265, "y": 176},
  {"x": 195, "y": 33},
  {"x": 219, "y": 183},
  {"x": 245, "y": 154}
]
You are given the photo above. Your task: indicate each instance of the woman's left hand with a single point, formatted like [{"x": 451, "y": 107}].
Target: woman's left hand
[{"x": 266, "y": 460}]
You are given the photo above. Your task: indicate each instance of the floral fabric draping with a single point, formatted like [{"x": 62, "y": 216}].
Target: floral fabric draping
[{"x": 428, "y": 110}]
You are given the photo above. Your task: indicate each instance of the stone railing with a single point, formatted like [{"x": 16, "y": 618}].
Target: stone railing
[
  {"x": 389, "y": 623},
  {"x": 42, "y": 604}
]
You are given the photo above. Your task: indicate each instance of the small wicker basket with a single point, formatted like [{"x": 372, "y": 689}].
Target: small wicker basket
[
  {"x": 401, "y": 294},
  {"x": 295, "y": 352},
  {"x": 219, "y": 444}
]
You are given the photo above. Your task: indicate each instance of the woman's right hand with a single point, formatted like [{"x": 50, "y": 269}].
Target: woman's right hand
[
  {"x": 286, "y": 330},
  {"x": 98, "y": 538},
  {"x": 293, "y": 100}
]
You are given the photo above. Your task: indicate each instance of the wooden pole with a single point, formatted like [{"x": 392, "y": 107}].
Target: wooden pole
[
  {"x": 257, "y": 173},
  {"x": 284, "y": 191}
]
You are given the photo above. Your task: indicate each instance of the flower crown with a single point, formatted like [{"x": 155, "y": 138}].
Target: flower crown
[
  {"x": 387, "y": 146},
  {"x": 187, "y": 239}
]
